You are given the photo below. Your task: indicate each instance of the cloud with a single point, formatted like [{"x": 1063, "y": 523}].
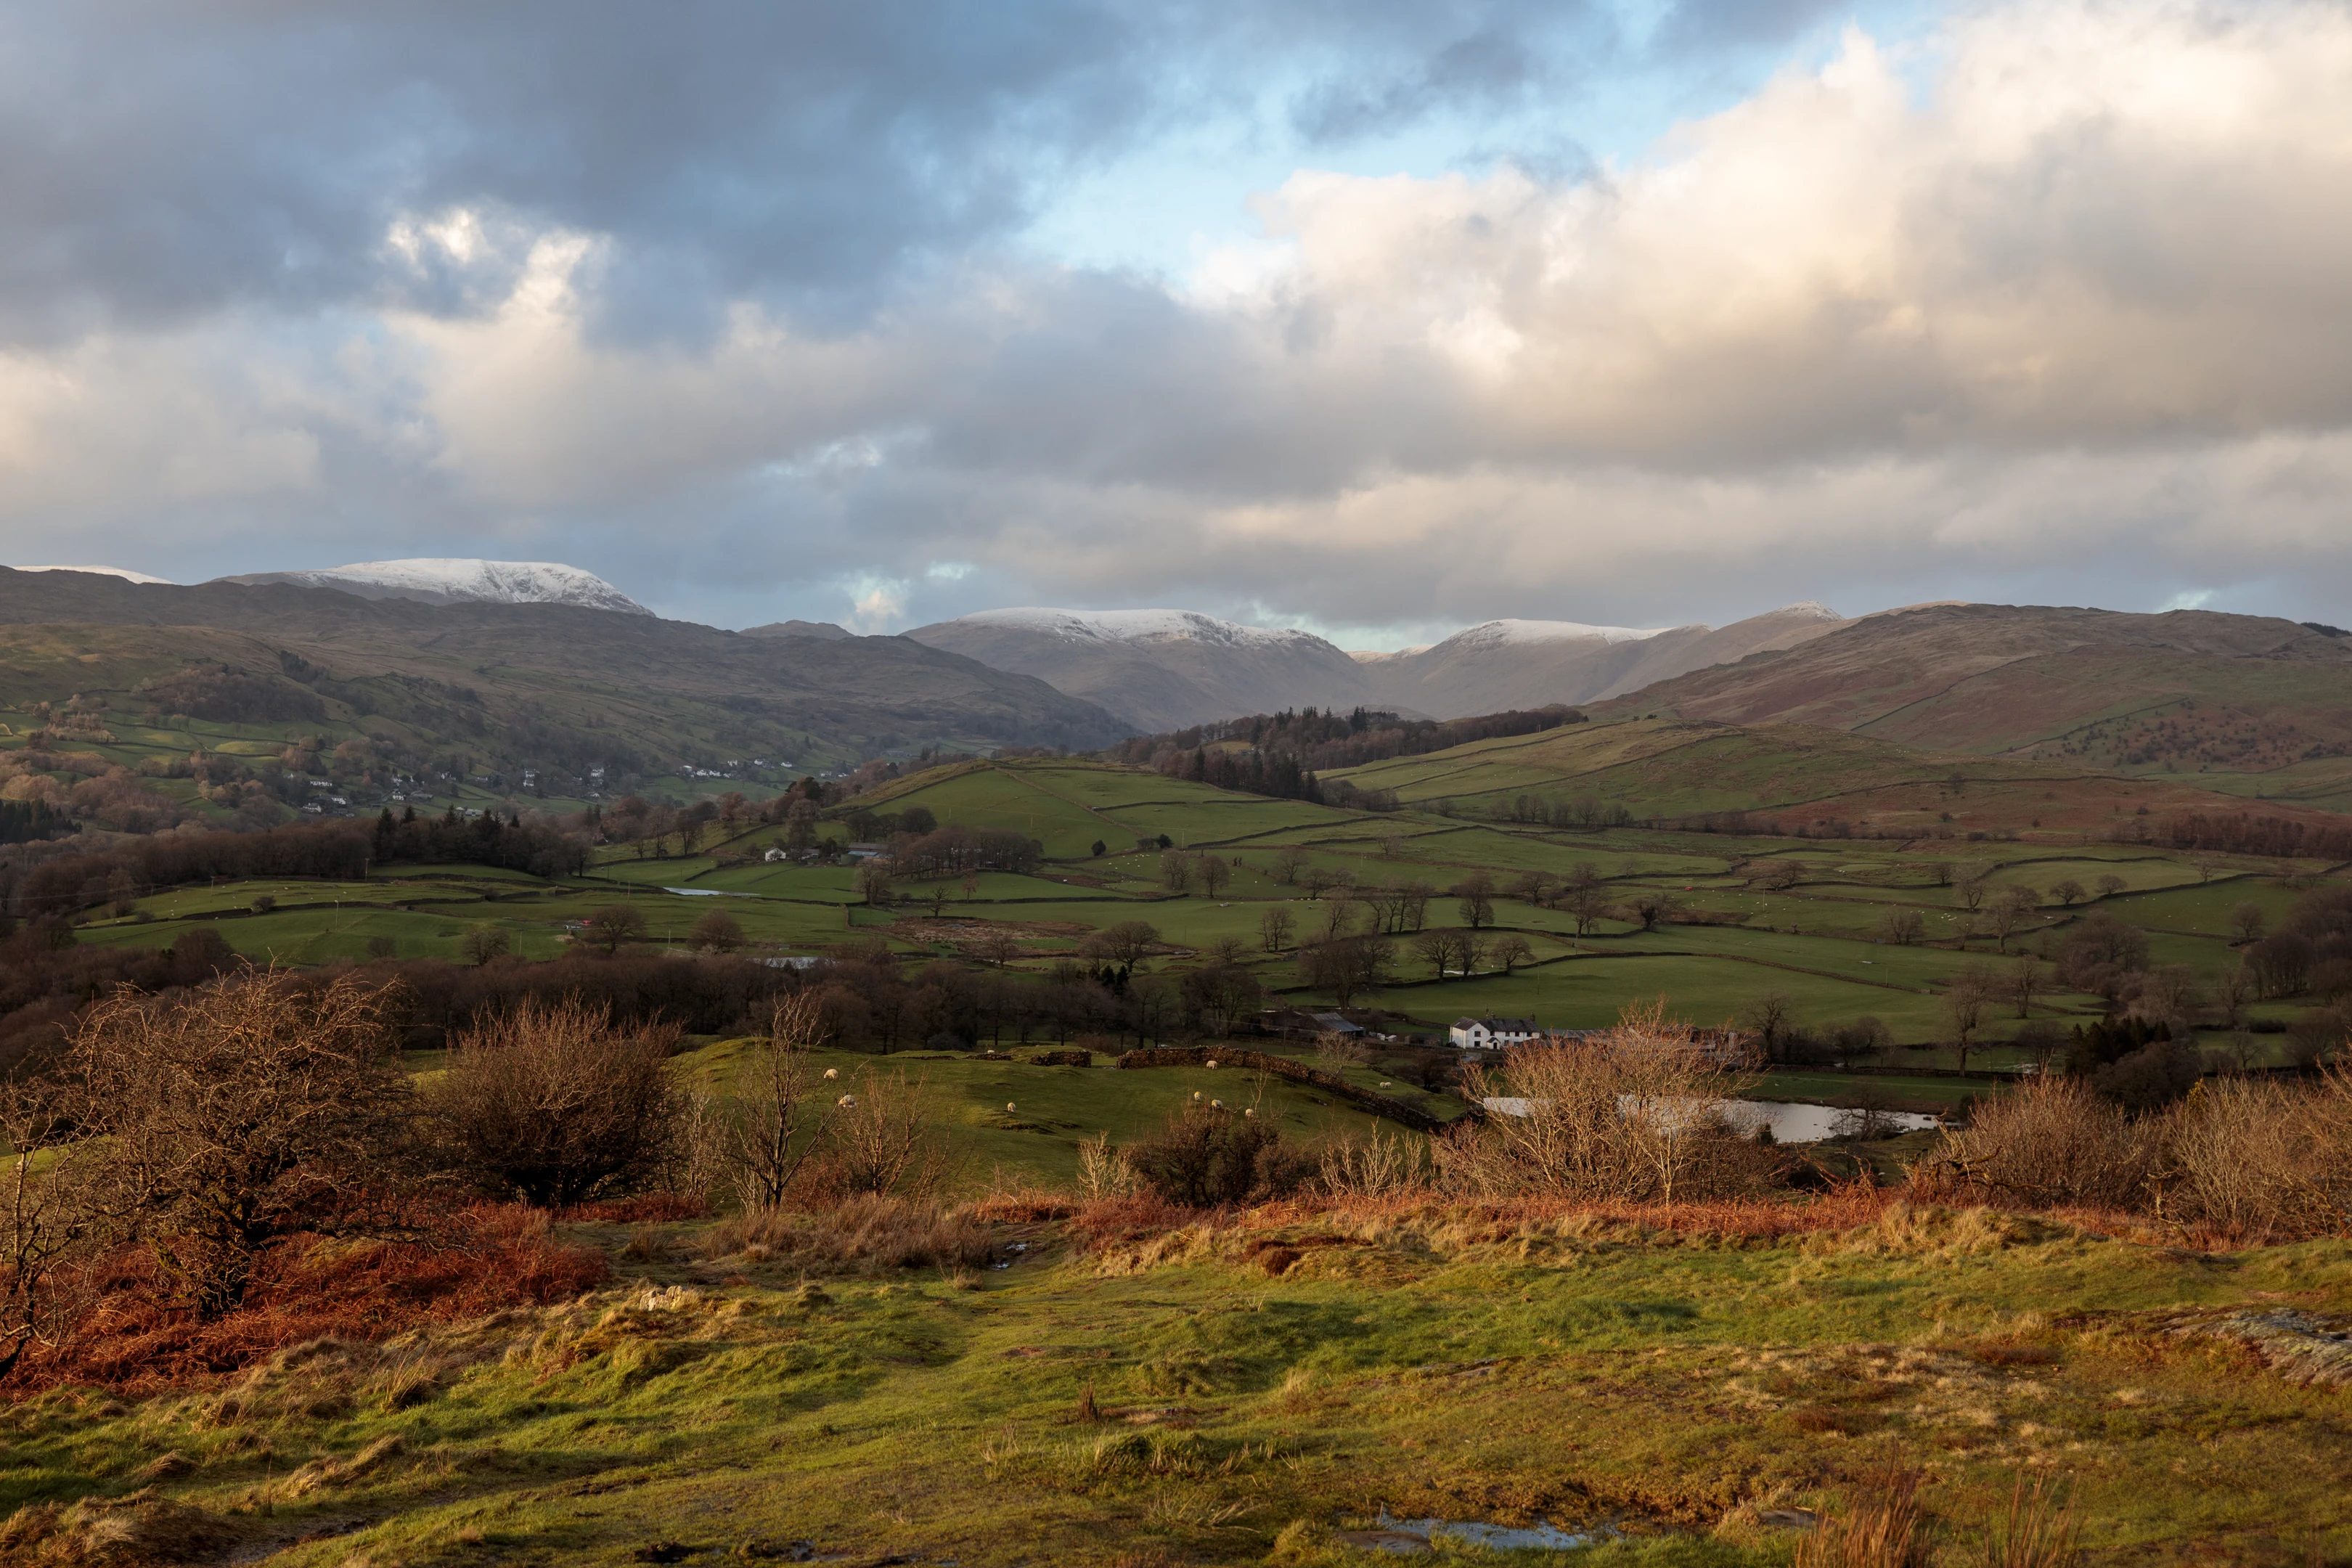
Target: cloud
[{"x": 2055, "y": 302}]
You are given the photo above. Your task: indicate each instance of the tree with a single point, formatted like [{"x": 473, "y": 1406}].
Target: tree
[
  {"x": 1220, "y": 995},
  {"x": 1124, "y": 943},
  {"x": 2109, "y": 885},
  {"x": 556, "y": 1105},
  {"x": 1345, "y": 966},
  {"x": 2237, "y": 987},
  {"x": 1475, "y": 894},
  {"x": 718, "y": 930},
  {"x": 613, "y": 924},
  {"x": 2025, "y": 982},
  {"x": 1534, "y": 887},
  {"x": 1783, "y": 875},
  {"x": 1770, "y": 1017},
  {"x": 769, "y": 1129},
  {"x": 873, "y": 881},
  {"x": 2246, "y": 922},
  {"x": 1098, "y": 848},
  {"x": 1510, "y": 951},
  {"x": 1648, "y": 906},
  {"x": 2010, "y": 908},
  {"x": 1973, "y": 886},
  {"x": 1318, "y": 881},
  {"x": 800, "y": 825},
  {"x": 1586, "y": 905},
  {"x": 996, "y": 946},
  {"x": 1215, "y": 874},
  {"x": 1436, "y": 949},
  {"x": 1902, "y": 927},
  {"x": 1176, "y": 870},
  {"x": 1274, "y": 929},
  {"x": 1288, "y": 860},
  {"x": 483, "y": 944},
  {"x": 2068, "y": 892},
  {"x": 1964, "y": 1004},
  {"x": 1583, "y": 874},
  {"x": 219, "y": 1123}
]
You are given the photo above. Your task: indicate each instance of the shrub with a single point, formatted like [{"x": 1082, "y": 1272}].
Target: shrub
[
  {"x": 218, "y": 1123},
  {"x": 1207, "y": 1156},
  {"x": 554, "y": 1105},
  {"x": 2256, "y": 1156},
  {"x": 2050, "y": 1141},
  {"x": 1629, "y": 1113}
]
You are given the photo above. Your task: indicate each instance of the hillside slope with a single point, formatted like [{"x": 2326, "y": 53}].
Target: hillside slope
[
  {"x": 1527, "y": 664},
  {"x": 550, "y": 684},
  {"x": 461, "y": 581},
  {"x": 1159, "y": 670},
  {"x": 2190, "y": 690}
]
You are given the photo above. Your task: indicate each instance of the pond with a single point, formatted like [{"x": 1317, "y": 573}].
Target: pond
[{"x": 1791, "y": 1121}]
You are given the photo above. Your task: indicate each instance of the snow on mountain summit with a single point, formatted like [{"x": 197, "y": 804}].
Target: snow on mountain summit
[
  {"x": 1136, "y": 625},
  {"x": 441, "y": 580},
  {"x": 1491, "y": 634},
  {"x": 122, "y": 571}
]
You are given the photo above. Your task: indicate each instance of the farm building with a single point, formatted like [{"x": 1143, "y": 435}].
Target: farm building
[{"x": 1492, "y": 1034}]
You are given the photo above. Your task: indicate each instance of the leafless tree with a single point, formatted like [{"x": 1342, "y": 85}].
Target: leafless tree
[
  {"x": 1533, "y": 887},
  {"x": 1476, "y": 900},
  {"x": 2109, "y": 885},
  {"x": 557, "y": 1105},
  {"x": 1123, "y": 942},
  {"x": 769, "y": 1131},
  {"x": 1436, "y": 949},
  {"x": 1288, "y": 860},
  {"x": 1215, "y": 874},
  {"x": 1965, "y": 998},
  {"x": 2068, "y": 892},
  {"x": 717, "y": 931},
  {"x": 2025, "y": 982},
  {"x": 614, "y": 924},
  {"x": 217, "y": 1123},
  {"x": 49, "y": 1223},
  {"x": 1587, "y": 905},
  {"x": 1902, "y": 927},
  {"x": 2007, "y": 910},
  {"x": 485, "y": 943},
  {"x": 1274, "y": 929},
  {"x": 1176, "y": 870},
  {"x": 873, "y": 881},
  {"x": 1510, "y": 951},
  {"x": 2246, "y": 922},
  {"x": 996, "y": 946},
  {"x": 1345, "y": 966},
  {"x": 1648, "y": 906}
]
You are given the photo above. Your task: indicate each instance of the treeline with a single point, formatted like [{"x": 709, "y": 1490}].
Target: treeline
[
  {"x": 1279, "y": 755},
  {"x": 2243, "y": 833},
  {"x": 954, "y": 849},
  {"x": 339, "y": 851},
  {"x": 29, "y": 820}
]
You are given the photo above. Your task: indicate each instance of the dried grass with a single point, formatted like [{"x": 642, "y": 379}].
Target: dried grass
[
  {"x": 867, "y": 1233},
  {"x": 1884, "y": 1526}
]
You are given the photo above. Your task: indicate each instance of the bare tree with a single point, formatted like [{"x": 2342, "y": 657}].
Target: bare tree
[
  {"x": 1436, "y": 949},
  {"x": 49, "y": 1222},
  {"x": 1274, "y": 929},
  {"x": 1215, "y": 874},
  {"x": 1345, "y": 966},
  {"x": 717, "y": 931},
  {"x": 996, "y": 946},
  {"x": 769, "y": 1131},
  {"x": 1587, "y": 905},
  {"x": 2237, "y": 987},
  {"x": 1902, "y": 927},
  {"x": 1287, "y": 863},
  {"x": 1648, "y": 906},
  {"x": 2007, "y": 910},
  {"x": 1475, "y": 894},
  {"x": 613, "y": 924},
  {"x": 1770, "y": 1016},
  {"x": 2068, "y": 892},
  {"x": 2246, "y": 923},
  {"x": 1534, "y": 887},
  {"x": 873, "y": 881},
  {"x": 1973, "y": 886},
  {"x": 1176, "y": 870},
  {"x": 2025, "y": 982},
  {"x": 1510, "y": 951},
  {"x": 218, "y": 1123},
  {"x": 2109, "y": 885},
  {"x": 1963, "y": 1005},
  {"x": 485, "y": 943},
  {"x": 557, "y": 1105},
  {"x": 1123, "y": 942}
]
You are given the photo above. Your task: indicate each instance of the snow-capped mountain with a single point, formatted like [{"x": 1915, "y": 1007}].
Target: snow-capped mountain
[
  {"x": 1159, "y": 670},
  {"x": 462, "y": 580},
  {"x": 1499, "y": 665},
  {"x": 124, "y": 572}
]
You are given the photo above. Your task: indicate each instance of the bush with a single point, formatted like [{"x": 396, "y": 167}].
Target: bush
[
  {"x": 2150, "y": 1078},
  {"x": 1207, "y": 1156},
  {"x": 2256, "y": 1156},
  {"x": 555, "y": 1105},
  {"x": 2050, "y": 1141}
]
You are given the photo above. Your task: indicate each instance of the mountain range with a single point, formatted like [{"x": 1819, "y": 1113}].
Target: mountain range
[{"x": 1166, "y": 669}]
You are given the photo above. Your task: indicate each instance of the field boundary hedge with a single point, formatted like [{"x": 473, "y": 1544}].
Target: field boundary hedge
[{"x": 1396, "y": 1111}]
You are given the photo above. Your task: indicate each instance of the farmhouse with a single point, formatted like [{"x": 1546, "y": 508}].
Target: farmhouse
[{"x": 1492, "y": 1034}]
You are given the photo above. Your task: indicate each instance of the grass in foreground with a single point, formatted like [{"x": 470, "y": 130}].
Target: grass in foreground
[{"x": 1147, "y": 1387}]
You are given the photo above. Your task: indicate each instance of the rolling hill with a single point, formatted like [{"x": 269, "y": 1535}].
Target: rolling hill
[
  {"x": 439, "y": 581},
  {"x": 1159, "y": 670},
  {"x": 550, "y": 685},
  {"x": 2249, "y": 705}
]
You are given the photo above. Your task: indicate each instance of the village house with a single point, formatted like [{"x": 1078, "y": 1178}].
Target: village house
[{"x": 1492, "y": 1034}]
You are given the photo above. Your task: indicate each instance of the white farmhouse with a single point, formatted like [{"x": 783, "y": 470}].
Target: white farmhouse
[{"x": 1492, "y": 1034}]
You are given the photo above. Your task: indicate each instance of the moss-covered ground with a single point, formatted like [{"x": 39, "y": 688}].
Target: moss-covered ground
[{"x": 1258, "y": 1387}]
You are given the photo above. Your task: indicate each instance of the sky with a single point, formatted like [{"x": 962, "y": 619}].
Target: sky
[{"x": 1378, "y": 318}]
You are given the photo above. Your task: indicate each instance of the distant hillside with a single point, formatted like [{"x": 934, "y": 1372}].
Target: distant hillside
[
  {"x": 550, "y": 685},
  {"x": 461, "y": 581},
  {"x": 1529, "y": 664},
  {"x": 1159, "y": 670},
  {"x": 2250, "y": 703}
]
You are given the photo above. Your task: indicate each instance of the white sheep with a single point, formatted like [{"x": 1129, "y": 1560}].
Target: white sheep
[
  {"x": 831, "y": 1073},
  {"x": 847, "y": 1101},
  {"x": 1008, "y": 1105}
]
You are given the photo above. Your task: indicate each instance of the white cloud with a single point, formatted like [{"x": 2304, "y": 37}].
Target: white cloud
[{"x": 2060, "y": 300}]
